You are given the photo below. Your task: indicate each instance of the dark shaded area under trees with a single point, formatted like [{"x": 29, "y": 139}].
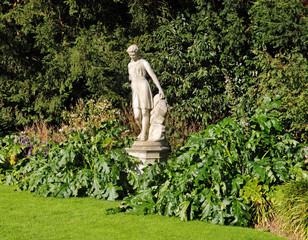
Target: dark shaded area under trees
[{"x": 213, "y": 58}]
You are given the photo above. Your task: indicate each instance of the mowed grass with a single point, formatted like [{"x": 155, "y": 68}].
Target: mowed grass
[{"x": 26, "y": 216}]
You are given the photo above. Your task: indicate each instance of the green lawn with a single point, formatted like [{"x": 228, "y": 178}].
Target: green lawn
[{"x": 26, "y": 216}]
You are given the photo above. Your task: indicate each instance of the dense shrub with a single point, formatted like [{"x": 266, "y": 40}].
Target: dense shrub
[
  {"x": 90, "y": 159},
  {"x": 283, "y": 77},
  {"x": 54, "y": 53},
  {"x": 279, "y": 25},
  {"x": 196, "y": 51},
  {"x": 84, "y": 165},
  {"x": 224, "y": 174}
]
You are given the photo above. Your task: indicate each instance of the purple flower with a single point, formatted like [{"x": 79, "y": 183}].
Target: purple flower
[
  {"x": 243, "y": 170},
  {"x": 29, "y": 152},
  {"x": 23, "y": 141},
  {"x": 30, "y": 149},
  {"x": 45, "y": 151}
]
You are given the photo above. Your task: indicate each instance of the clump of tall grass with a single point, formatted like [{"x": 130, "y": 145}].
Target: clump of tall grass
[{"x": 291, "y": 207}]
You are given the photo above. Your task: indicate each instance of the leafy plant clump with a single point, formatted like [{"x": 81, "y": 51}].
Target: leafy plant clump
[
  {"x": 15, "y": 147},
  {"x": 224, "y": 174},
  {"x": 291, "y": 207},
  {"x": 282, "y": 77},
  {"x": 93, "y": 165}
]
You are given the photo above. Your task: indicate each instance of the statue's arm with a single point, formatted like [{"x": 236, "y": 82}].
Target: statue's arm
[
  {"x": 153, "y": 76},
  {"x": 129, "y": 75}
]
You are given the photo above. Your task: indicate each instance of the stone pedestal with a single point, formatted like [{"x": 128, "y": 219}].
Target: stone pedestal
[{"x": 148, "y": 151}]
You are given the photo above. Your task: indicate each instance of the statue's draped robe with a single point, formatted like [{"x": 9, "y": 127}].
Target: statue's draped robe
[{"x": 142, "y": 95}]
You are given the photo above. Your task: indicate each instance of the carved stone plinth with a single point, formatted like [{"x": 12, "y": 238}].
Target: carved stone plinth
[{"x": 148, "y": 151}]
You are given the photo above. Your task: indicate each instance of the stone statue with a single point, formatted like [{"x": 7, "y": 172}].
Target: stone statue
[
  {"x": 143, "y": 103},
  {"x": 157, "y": 119},
  {"x": 147, "y": 111}
]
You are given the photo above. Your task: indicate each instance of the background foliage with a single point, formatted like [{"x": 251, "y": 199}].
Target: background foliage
[
  {"x": 207, "y": 55},
  {"x": 234, "y": 74}
]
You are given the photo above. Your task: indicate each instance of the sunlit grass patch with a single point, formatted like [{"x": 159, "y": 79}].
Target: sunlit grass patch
[{"x": 26, "y": 216}]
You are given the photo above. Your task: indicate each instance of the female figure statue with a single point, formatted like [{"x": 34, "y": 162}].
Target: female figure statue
[{"x": 138, "y": 68}]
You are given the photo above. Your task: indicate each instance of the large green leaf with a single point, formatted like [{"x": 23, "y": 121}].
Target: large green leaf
[
  {"x": 183, "y": 209},
  {"x": 111, "y": 192}
]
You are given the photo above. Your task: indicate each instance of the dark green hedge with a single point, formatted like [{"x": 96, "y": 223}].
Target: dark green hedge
[{"x": 205, "y": 53}]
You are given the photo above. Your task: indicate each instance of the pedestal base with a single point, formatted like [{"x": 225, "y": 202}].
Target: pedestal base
[{"x": 148, "y": 151}]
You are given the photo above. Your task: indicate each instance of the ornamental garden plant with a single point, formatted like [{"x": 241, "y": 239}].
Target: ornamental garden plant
[
  {"x": 235, "y": 77},
  {"x": 225, "y": 174}
]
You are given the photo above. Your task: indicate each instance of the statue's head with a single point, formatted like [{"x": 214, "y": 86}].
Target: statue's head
[
  {"x": 133, "y": 49},
  {"x": 134, "y": 52}
]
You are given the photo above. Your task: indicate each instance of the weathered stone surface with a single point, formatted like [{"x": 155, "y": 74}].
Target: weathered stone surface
[
  {"x": 158, "y": 115},
  {"x": 157, "y": 133},
  {"x": 148, "y": 151}
]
